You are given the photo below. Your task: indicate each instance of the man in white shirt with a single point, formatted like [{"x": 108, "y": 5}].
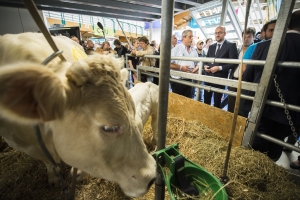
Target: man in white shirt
[{"x": 184, "y": 49}]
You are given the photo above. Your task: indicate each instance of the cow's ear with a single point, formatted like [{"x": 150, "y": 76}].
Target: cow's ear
[{"x": 30, "y": 93}]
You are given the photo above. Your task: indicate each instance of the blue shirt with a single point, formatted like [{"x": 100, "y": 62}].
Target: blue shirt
[{"x": 249, "y": 52}]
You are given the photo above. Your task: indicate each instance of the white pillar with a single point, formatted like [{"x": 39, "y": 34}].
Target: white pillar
[{"x": 150, "y": 34}]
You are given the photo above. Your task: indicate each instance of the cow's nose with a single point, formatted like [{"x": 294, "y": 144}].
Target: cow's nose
[{"x": 151, "y": 182}]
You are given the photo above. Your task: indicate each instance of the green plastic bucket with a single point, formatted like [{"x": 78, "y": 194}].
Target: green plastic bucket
[{"x": 207, "y": 185}]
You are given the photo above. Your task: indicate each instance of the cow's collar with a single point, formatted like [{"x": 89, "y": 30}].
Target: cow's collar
[{"x": 56, "y": 167}]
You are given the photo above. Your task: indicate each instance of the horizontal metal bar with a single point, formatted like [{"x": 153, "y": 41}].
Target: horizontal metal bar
[
  {"x": 215, "y": 25},
  {"x": 65, "y": 10},
  {"x": 157, "y": 4},
  {"x": 231, "y": 31},
  {"x": 230, "y": 61},
  {"x": 206, "y": 6},
  {"x": 279, "y": 142},
  {"x": 210, "y": 16},
  {"x": 279, "y": 104},
  {"x": 120, "y": 5},
  {"x": 216, "y": 80},
  {"x": 189, "y": 2},
  {"x": 94, "y": 8},
  {"x": 196, "y": 85},
  {"x": 209, "y": 79},
  {"x": 231, "y": 39},
  {"x": 289, "y": 64}
]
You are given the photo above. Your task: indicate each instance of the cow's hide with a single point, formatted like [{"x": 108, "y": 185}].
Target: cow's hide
[{"x": 85, "y": 114}]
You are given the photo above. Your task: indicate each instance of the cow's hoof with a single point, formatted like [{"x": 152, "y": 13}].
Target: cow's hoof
[
  {"x": 53, "y": 181},
  {"x": 80, "y": 174},
  {"x": 1, "y": 142}
]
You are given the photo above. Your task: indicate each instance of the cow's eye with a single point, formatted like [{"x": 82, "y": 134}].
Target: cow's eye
[{"x": 110, "y": 128}]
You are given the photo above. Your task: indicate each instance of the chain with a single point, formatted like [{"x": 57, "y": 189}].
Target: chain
[{"x": 285, "y": 109}]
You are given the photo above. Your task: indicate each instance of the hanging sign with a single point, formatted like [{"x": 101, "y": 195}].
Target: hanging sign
[{"x": 107, "y": 31}]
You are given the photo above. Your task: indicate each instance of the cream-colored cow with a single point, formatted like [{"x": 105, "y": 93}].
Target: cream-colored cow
[
  {"x": 85, "y": 114},
  {"x": 145, "y": 97}
]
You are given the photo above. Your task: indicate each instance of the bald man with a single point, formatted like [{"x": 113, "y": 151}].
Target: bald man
[{"x": 221, "y": 49}]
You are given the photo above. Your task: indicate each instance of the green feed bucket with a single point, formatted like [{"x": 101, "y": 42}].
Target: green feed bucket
[{"x": 186, "y": 180}]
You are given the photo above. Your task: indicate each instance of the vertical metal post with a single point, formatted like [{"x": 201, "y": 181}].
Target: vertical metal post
[
  {"x": 254, "y": 10},
  {"x": 224, "y": 12},
  {"x": 151, "y": 33},
  {"x": 260, "y": 12},
  {"x": 200, "y": 65},
  {"x": 167, "y": 9},
  {"x": 240, "y": 5},
  {"x": 130, "y": 72},
  {"x": 138, "y": 73},
  {"x": 272, "y": 58}
]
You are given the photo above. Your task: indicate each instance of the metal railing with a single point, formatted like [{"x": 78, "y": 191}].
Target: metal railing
[{"x": 221, "y": 81}]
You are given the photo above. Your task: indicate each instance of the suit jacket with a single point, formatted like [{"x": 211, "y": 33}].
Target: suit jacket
[
  {"x": 287, "y": 78},
  {"x": 228, "y": 50}
]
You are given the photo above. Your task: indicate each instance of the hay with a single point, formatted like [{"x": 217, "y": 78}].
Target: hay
[{"x": 252, "y": 174}]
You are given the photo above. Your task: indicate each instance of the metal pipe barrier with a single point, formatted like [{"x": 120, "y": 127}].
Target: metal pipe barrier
[
  {"x": 228, "y": 82},
  {"x": 279, "y": 142},
  {"x": 221, "y": 81},
  {"x": 267, "y": 75},
  {"x": 209, "y": 88},
  {"x": 167, "y": 12},
  {"x": 230, "y": 61}
]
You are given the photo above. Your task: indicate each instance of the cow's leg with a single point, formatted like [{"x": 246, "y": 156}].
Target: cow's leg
[
  {"x": 154, "y": 126},
  {"x": 52, "y": 178},
  {"x": 1, "y": 142},
  {"x": 80, "y": 174}
]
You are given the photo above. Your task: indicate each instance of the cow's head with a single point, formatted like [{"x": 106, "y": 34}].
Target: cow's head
[{"x": 90, "y": 114}]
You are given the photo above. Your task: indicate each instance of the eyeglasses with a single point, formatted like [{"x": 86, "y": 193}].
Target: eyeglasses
[{"x": 218, "y": 33}]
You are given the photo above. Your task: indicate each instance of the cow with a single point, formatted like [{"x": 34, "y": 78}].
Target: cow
[
  {"x": 85, "y": 114},
  {"x": 145, "y": 97}
]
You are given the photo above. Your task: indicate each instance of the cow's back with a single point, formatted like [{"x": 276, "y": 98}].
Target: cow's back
[{"x": 34, "y": 47}]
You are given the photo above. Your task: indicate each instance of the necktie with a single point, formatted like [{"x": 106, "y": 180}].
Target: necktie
[{"x": 218, "y": 48}]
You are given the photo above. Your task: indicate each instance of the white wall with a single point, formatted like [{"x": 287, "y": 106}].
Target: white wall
[
  {"x": 156, "y": 35},
  {"x": 16, "y": 20}
]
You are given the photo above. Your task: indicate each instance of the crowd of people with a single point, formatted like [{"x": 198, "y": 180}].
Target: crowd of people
[
  {"x": 139, "y": 47},
  {"x": 274, "y": 120},
  {"x": 254, "y": 46}
]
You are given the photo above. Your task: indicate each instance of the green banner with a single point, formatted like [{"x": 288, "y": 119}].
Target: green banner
[{"x": 107, "y": 31}]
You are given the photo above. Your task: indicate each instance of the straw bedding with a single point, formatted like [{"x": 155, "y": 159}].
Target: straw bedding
[{"x": 252, "y": 175}]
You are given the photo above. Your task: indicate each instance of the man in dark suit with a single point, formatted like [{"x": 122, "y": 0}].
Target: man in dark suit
[
  {"x": 221, "y": 49},
  {"x": 274, "y": 120}
]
